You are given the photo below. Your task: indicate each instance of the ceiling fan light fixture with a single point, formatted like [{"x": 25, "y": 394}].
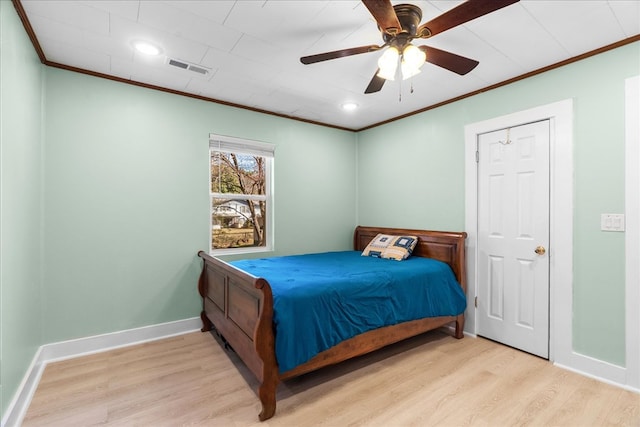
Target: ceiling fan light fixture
[
  {"x": 399, "y": 25},
  {"x": 408, "y": 71},
  {"x": 388, "y": 63},
  {"x": 412, "y": 59}
]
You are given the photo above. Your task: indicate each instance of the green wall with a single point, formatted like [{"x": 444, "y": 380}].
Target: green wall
[
  {"x": 20, "y": 205},
  {"x": 408, "y": 166},
  {"x": 126, "y": 199},
  {"x": 427, "y": 169}
]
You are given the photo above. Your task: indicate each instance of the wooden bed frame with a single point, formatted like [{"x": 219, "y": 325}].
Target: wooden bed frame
[{"x": 240, "y": 308}]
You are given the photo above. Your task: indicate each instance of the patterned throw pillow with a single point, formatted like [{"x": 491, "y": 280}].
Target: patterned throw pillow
[{"x": 391, "y": 247}]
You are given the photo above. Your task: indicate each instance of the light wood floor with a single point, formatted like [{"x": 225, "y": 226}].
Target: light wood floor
[{"x": 431, "y": 380}]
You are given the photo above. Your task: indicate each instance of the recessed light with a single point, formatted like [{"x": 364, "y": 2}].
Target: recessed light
[
  {"x": 349, "y": 106},
  {"x": 146, "y": 48}
]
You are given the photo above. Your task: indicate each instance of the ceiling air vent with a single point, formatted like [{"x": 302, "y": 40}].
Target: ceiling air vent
[
  {"x": 178, "y": 64},
  {"x": 188, "y": 67},
  {"x": 198, "y": 69}
]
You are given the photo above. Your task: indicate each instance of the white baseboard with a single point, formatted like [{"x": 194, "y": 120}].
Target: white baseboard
[
  {"x": 99, "y": 343},
  {"x": 18, "y": 406},
  {"x": 599, "y": 370},
  {"x": 83, "y": 346}
]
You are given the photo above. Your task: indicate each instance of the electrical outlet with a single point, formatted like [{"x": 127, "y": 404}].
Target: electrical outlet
[{"x": 612, "y": 222}]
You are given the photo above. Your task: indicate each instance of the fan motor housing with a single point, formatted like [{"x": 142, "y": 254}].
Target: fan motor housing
[{"x": 409, "y": 16}]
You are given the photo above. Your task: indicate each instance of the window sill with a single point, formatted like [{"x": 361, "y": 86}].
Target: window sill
[{"x": 240, "y": 251}]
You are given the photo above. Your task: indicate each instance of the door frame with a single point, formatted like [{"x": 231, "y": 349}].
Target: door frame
[
  {"x": 560, "y": 115},
  {"x": 632, "y": 241}
]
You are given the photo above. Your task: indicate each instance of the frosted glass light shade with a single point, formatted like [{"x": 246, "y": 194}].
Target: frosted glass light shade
[
  {"x": 388, "y": 63},
  {"x": 412, "y": 59}
]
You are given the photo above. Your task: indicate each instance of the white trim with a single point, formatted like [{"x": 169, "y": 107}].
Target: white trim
[
  {"x": 99, "y": 343},
  {"x": 598, "y": 370},
  {"x": 84, "y": 346},
  {"x": 17, "y": 408},
  {"x": 560, "y": 115},
  {"x": 632, "y": 235}
]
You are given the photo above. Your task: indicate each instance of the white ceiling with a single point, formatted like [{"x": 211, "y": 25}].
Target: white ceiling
[{"x": 252, "y": 48}]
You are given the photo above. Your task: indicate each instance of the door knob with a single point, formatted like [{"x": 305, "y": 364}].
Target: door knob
[{"x": 540, "y": 250}]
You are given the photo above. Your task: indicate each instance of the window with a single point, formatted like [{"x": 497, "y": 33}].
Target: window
[{"x": 240, "y": 194}]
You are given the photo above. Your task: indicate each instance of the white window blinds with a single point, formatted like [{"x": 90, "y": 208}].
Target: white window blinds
[{"x": 229, "y": 144}]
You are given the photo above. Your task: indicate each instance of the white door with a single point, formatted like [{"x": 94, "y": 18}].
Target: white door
[{"x": 513, "y": 237}]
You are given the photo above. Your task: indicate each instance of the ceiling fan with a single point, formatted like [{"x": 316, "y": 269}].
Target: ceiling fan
[{"x": 400, "y": 25}]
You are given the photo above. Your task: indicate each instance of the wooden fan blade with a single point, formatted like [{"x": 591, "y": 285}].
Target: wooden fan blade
[
  {"x": 376, "y": 83},
  {"x": 385, "y": 15},
  {"x": 460, "y": 14},
  {"x": 312, "y": 59},
  {"x": 452, "y": 62}
]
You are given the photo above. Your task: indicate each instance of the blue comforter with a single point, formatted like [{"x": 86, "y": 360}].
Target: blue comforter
[{"x": 322, "y": 299}]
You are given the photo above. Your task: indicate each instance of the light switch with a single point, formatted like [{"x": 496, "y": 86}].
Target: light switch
[{"x": 612, "y": 222}]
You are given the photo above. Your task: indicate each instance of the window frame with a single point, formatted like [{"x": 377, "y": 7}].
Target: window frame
[{"x": 249, "y": 147}]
